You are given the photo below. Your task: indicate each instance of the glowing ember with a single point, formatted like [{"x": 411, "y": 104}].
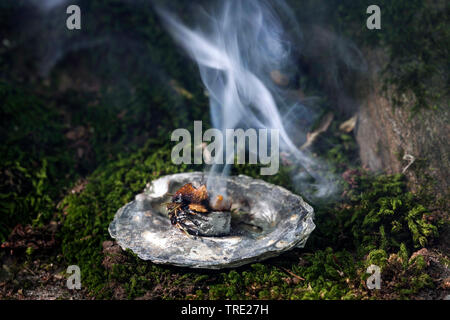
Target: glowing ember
[{"x": 191, "y": 206}]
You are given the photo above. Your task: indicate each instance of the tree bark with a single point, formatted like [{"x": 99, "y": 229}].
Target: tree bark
[{"x": 389, "y": 138}]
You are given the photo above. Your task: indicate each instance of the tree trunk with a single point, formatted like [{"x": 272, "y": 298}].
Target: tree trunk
[{"x": 390, "y": 138}]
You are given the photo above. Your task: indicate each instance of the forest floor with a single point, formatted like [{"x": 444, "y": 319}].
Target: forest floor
[{"x": 78, "y": 145}]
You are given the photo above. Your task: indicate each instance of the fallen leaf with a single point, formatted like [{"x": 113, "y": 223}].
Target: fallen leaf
[
  {"x": 279, "y": 78},
  {"x": 348, "y": 125},
  {"x": 79, "y": 186},
  {"x": 76, "y": 133},
  {"x": 323, "y": 126},
  {"x": 180, "y": 90}
]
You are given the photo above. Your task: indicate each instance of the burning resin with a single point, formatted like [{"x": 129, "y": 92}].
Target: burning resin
[
  {"x": 192, "y": 211},
  {"x": 266, "y": 220}
]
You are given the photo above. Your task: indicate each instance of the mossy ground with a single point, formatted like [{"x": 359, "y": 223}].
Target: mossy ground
[
  {"x": 75, "y": 156},
  {"x": 377, "y": 218}
]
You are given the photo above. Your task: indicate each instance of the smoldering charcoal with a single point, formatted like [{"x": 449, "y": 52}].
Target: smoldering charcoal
[{"x": 265, "y": 221}]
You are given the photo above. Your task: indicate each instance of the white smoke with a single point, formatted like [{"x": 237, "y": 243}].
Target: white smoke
[
  {"x": 236, "y": 49},
  {"x": 47, "y": 5}
]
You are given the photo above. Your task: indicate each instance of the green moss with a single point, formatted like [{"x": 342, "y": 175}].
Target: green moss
[
  {"x": 378, "y": 257},
  {"x": 325, "y": 276},
  {"x": 376, "y": 217},
  {"x": 33, "y": 158},
  {"x": 88, "y": 215},
  {"x": 328, "y": 274},
  {"x": 379, "y": 213},
  {"x": 110, "y": 187},
  {"x": 400, "y": 275}
]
